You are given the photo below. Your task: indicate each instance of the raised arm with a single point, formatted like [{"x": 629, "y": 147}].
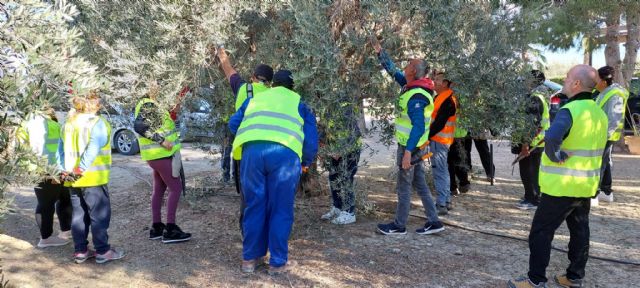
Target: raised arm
[{"x": 225, "y": 63}]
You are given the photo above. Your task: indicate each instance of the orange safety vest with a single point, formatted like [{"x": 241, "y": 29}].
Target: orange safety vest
[{"x": 445, "y": 136}]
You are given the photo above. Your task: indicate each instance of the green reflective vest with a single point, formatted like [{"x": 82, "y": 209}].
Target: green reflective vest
[
  {"x": 604, "y": 99},
  {"x": 403, "y": 122},
  {"x": 579, "y": 175},
  {"x": 76, "y": 135},
  {"x": 271, "y": 116},
  {"x": 460, "y": 132},
  {"x": 51, "y": 139},
  {"x": 545, "y": 123},
  {"x": 149, "y": 149},
  {"x": 246, "y": 90}
]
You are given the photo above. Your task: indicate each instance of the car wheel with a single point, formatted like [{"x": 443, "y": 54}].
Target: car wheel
[{"x": 126, "y": 143}]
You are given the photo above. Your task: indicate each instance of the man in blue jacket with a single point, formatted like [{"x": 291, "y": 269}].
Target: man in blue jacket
[
  {"x": 415, "y": 106},
  {"x": 276, "y": 138}
]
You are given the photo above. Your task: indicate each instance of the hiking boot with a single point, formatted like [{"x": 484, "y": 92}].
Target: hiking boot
[
  {"x": 173, "y": 234},
  {"x": 605, "y": 197},
  {"x": 250, "y": 266},
  {"x": 391, "y": 229},
  {"x": 431, "y": 228},
  {"x": 524, "y": 282},
  {"x": 65, "y": 235},
  {"x": 333, "y": 212},
  {"x": 111, "y": 255},
  {"x": 52, "y": 241},
  {"x": 563, "y": 281},
  {"x": 442, "y": 210},
  {"x": 594, "y": 202},
  {"x": 465, "y": 188},
  {"x": 344, "y": 217},
  {"x": 526, "y": 205},
  {"x": 156, "y": 231},
  {"x": 273, "y": 271},
  {"x": 80, "y": 257}
]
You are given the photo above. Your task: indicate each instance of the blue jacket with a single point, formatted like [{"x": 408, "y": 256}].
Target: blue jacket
[
  {"x": 99, "y": 138},
  {"x": 310, "y": 145},
  {"x": 559, "y": 130},
  {"x": 415, "y": 106}
]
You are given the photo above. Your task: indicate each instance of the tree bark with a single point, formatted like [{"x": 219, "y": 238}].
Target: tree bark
[
  {"x": 612, "y": 49},
  {"x": 633, "y": 42}
]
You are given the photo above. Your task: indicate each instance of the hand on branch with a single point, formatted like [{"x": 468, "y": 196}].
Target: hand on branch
[{"x": 376, "y": 44}]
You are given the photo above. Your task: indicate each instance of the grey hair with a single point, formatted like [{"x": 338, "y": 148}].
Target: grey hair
[{"x": 421, "y": 68}]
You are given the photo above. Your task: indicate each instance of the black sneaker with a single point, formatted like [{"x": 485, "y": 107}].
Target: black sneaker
[
  {"x": 465, "y": 188},
  {"x": 156, "y": 231},
  {"x": 391, "y": 229},
  {"x": 174, "y": 234},
  {"x": 449, "y": 206},
  {"x": 431, "y": 228},
  {"x": 455, "y": 192},
  {"x": 442, "y": 210}
]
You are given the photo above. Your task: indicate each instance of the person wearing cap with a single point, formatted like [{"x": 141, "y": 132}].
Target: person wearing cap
[
  {"x": 569, "y": 176},
  {"x": 276, "y": 137},
  {"x": 612, "y": 98},
  {"x": 532, "y": 144},
  {"x": 415, "y": 107},
  {"x": 260, "y": 82},
  {"x": 41, "y": 133}
]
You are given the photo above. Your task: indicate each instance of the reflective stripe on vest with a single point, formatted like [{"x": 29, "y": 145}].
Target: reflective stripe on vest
[
  {"x": 579, "y": 175},
  {"x": 602, "y": 101},
  {"x": 149, "y": 149},
  {"x": 446, "y": 135},
  {"x": 272, "y": 116},
  {"x": 76, "y": 135},
  {"x": 243, "y": 92},
  {"x": 403, "y": 122},
  {"x": 544, "y": 122}
]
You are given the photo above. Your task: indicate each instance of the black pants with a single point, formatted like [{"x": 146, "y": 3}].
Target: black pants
[
  {"x": 458, "y": 164},
  {"x": 551, "y": 212},
  {"x": 605, "y": 171},
  {"x": 52, "y": 198},
  {"x": 341, "y": 174},
  {"x": 529, "y": 170},
  {"x": 226, "y": 161},
  {"x": 482, "y": 145}
]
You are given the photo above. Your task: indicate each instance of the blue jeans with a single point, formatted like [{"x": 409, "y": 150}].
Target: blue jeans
[
  {"x": 413, "y": 177},
  {"x": 440, "y": 170},
  {"x": 91, "y": 211},
  {"x": 269, "y": 174}
]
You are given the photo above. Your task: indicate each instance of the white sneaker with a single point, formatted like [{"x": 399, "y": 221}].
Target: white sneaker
[
  {"x": 331, "y": 214},
  {"x": 66, "y": 235},
  {"x": 344, "y": 218},
  {"x": 605, "y": 197},
  {"x": 594, "y": 202},
  {"x": 52, "y": 241}
]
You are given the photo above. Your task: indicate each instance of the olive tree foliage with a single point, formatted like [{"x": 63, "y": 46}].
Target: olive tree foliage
[
  {"x": 598, "y": 23},
  {"x": 325, "y": 43},
  {"x": 38, "y": 59}
]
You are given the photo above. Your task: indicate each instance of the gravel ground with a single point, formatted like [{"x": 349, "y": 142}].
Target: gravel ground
[{"x": 328, "y": 255}]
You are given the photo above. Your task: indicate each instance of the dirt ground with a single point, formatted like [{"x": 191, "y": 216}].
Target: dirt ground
[{"x": 328, "y": 255}]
